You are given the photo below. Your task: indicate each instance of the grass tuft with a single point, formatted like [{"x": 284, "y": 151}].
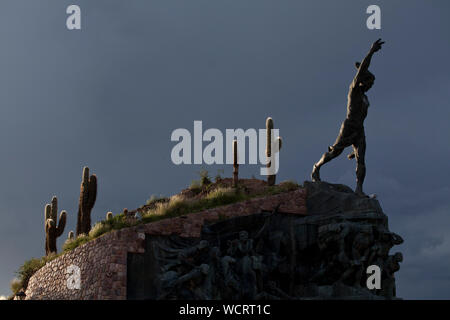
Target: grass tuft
[
  {"x": 284, "y": 186},
  {"x": 179, "y": 205},
  {"x": 197, "y": 186},
  {"x": 71, "y": 244},
  {"x": 155, "y": 199}
]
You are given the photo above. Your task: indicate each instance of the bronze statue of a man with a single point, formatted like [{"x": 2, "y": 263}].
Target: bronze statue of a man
[{"x": 352, "y": 129}]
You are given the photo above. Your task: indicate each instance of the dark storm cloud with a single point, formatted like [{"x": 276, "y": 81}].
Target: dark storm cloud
[{"x": 110, "y": 95}]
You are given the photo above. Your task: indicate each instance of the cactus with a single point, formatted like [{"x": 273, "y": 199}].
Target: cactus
[
  {"x": 53, "y": 230},
  {"x": 269, "y": 128},
  {"x": 280, "y": 143},
  {"x": 235, "y": 164},
  {"x": 71, "y": 235},
  {"x": 88, "y": 194},
  {"x": 109, "y": 216}
]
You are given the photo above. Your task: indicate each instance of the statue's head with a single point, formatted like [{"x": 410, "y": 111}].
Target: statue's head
[{"x": 367, "y": 79}]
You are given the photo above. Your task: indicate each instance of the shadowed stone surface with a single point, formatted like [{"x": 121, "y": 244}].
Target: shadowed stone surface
[
  {"x": 323, "y": 255},
  {"x": 326, "y": 198},
  {"x": 312, "y": 243}
]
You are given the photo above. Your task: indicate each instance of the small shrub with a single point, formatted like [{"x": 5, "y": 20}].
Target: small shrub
[
  {"x": 205, "y": 180},
  {"x": 223, "y": 196},
  {"x": 204, "y": 183},
  {"x": 177, "y": 205},
  {"x": 30, "y": 267},
  {"x": 288, "y": 185},
  {"x": 284, "y": 186},
  {"x": 118, "y": 222},
  {"x": 71, "y": 244},
  {"x": 15, "y": 285},
  {"x": 218, "y": 176},
  {"x": 99, "y": 229},
  {"x": 155, "y": 199},
  {"x": 195, "y": 187}
]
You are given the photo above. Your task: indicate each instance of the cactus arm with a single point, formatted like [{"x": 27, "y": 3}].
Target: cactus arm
[
  {"x": 61, "y": 223},
  {"x": 280, "y": 143},
  {"x": 47, "y": 214},
  {"x": 71, "y": 235}
]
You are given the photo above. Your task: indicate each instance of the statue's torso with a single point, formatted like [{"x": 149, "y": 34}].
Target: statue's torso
[{"x": 357, "y": 107}]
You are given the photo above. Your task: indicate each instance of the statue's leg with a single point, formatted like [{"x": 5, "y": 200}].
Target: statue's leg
[
  {"x": 360, "y": 155},
  {"x": 326, "y": 157},
  {"x": 345, "y": 139}
]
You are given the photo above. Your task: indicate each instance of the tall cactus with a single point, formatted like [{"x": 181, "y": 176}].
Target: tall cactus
[
  {"x": 269, "y": 127},
  {"x": 52, "y": 229},
  {"x": 88, "y": 195},
  {"x": 235, "y": 164}
]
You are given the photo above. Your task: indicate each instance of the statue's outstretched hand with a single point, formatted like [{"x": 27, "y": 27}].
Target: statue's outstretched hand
[{"x": 376, "y": 46}]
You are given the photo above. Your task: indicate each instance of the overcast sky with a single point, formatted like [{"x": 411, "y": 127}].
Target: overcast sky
[{"x": 110, "y": 95}]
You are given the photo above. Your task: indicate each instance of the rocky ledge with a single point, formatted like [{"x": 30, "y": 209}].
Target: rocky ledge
[{"x": 274, "y": 254}]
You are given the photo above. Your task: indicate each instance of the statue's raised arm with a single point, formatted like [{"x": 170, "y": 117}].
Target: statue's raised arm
[{"x": 363, "y": 67}]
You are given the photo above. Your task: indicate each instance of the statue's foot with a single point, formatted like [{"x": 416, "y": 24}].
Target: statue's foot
[
  {"x": 315, "y": 174},
  {"x": 360, "y": 193}
]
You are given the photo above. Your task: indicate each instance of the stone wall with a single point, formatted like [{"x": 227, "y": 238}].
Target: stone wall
[
  {"x": 103, "y": 261},
  {"x": 103, "y": 266}
]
